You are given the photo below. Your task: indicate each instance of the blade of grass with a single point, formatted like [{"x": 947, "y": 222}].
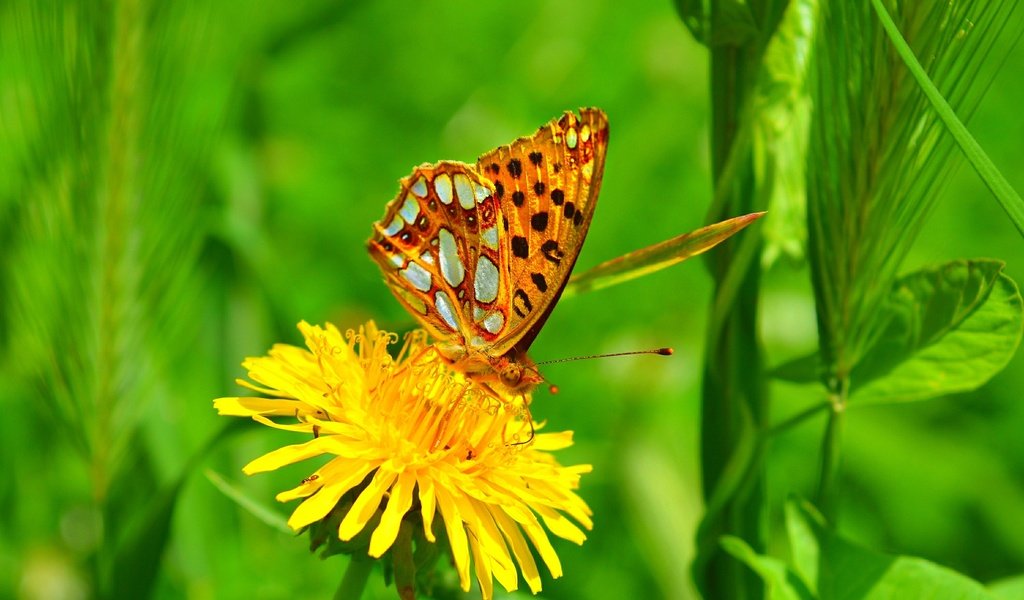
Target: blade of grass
[
  {"x": 658, "y": 256},
  {"x": 267, "y": 515},
  {"x": 983, "y": 165}
]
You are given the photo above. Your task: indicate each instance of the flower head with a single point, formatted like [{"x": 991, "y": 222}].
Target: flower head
[{"x": 410, "y": 438}]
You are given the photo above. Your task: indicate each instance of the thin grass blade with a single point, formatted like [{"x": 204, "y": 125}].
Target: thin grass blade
[
  {"x": 657, "y": 257},
  {"x": 267, "y": 515},
  {"x": 986, "y": 169}
]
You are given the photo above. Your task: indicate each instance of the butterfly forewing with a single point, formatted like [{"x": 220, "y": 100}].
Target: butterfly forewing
[{"x": 547, "y": 185}]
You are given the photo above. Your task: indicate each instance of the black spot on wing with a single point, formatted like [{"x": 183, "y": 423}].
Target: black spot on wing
[
  {"x": 552, "y": 252},
  {"x": 520, "y": 247},
  {"x": 521, "y": 303},
  {"x": 540, "y": 282}
]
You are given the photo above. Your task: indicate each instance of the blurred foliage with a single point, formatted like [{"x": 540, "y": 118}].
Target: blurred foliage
[{"x": 183, "y": 182}]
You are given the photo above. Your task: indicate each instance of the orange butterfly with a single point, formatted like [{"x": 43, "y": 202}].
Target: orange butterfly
[{"x": 479, "y": 254}]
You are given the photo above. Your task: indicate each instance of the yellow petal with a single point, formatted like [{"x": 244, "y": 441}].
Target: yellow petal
[
  {"x": 319, "y": 504},
  {"x": 428, "y": 506},
  {"x": 492, "y": 544},
  {"x": 263, "y": 390},
  {"x": 456, "y": 534},
  {"x": 551, "y": 495},
  {"x": 520, "y": 549},
  {"x": 247, "y": 407},
  {"x": 483, "y": 571},
  {"x": 478, "y": 519},
  {"x": 540, "y": 541},
  {"x": 560, "y": 526},
  {"x": 398, "y": 505},
  {"x": 287, "y": 455},
  {"x": 366, "y": 504},
  {"x": 307, "y": 488},
  {"x": 298, "y": 428},
  {"x": 552, "y": 441}
]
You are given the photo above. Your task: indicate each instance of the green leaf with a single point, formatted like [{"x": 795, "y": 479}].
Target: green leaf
[
  {"x": 141, "y": 541},
  {"x": 983, "y": 165},
  {"x": 848, "y": 571},
  {"x": 864, "y": 574},
  {"x": 137, "y": 560},
  {"x": 781, "y": 582},
  {"x": 718, "y": 22},
  {"x": 732, "y": 23},
  {"x": 695, "y": 17},
  {"x": 657, "y": 257},
  {"x": 803, "y": 369},
  {"x": 803, "y": 545},
  {"x": 841, "y": 570},
  {"x": 950, "y": 329},
  {"x": 1011, "y": 588}
]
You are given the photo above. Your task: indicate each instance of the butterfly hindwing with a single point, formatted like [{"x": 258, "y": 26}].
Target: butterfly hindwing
[{"x": 438, "y": 246}]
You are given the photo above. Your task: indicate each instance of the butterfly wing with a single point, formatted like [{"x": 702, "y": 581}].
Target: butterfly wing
[
  {"x": 547, "y": 186},
  {"x": 438, "y": 248}
]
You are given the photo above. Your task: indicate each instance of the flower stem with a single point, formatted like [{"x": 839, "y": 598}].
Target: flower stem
[
  {"x": 830, "y": 453},
  {"x": 354, "y": 581}
]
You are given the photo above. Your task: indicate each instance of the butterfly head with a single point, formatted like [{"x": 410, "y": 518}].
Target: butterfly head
[
  {"x": 512, "y": 374},
  {"x": 517, "y": 373}
]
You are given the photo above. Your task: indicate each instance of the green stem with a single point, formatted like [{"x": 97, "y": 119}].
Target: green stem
[
  {"x": 828, "y": 482},
  {"x": 354, "y": 581},
  {"x": 733, "y": 388},
  {"x": 734, "y": 398}
]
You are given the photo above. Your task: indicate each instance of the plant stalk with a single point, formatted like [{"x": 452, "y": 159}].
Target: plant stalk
[
  {"x": 831, "y": 444},
  {"x": 354, "y": 582},
  {"x": 733, "y": 385}
]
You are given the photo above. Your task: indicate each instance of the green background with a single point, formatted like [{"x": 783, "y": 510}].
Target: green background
[{"x": 282, "y": 129}]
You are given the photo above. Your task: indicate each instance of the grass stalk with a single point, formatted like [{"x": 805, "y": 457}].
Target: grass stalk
[{"x": 733, "y": 380}]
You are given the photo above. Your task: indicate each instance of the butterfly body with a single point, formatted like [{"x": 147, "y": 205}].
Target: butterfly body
[{"x": 479, "y": 254}]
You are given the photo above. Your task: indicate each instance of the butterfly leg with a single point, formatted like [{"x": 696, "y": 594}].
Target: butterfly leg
[
  {"x": 418, "y": 358},
  {"x": 529, "y": 419}
]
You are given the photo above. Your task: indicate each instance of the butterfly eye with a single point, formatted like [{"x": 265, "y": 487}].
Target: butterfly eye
[{"x": 511, "y": 374}]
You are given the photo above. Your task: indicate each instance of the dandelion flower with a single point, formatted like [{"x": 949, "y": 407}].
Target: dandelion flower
[{"x": 410, "y": 439}]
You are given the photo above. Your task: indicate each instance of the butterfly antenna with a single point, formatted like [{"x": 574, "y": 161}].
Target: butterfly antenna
[{"x": 658, "y": 351}]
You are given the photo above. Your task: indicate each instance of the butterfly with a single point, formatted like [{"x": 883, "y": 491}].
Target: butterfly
[{"x": 479, "y": 254}]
